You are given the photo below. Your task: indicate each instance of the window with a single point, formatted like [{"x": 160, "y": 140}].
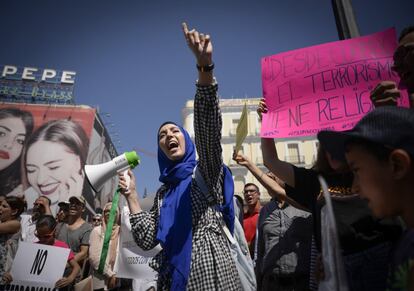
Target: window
[
  {"x": 315, "y": 150},
  {"x": 239, "y": 185},
  {"x": 259, "y": 155},
  {"x": 293, "y": 154},
  {"x": 234, "y": 124}
]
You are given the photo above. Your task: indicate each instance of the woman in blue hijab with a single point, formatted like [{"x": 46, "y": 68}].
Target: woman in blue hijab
[{"x": 186, "y": 220}]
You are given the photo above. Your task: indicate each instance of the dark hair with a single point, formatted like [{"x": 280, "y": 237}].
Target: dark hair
[
  {"x": 321, "y": 164},
  {"x": 46, "y": 220},
  {"x": 62, "y": 131},
  {"x": 405, "y": 31},
  {"x": 11, "y": 176},
  {"x": 15, "y": 203},
  {"x": 251, "y": 184},
  {"x": 379, "y": 151}
]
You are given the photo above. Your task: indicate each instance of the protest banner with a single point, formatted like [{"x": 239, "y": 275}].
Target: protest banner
[
  {"x": 325, "y": 86},
  {"x": 132, "y": 261},
  {"x": 25, "y": 286},
  {"x": 38, "y": 266}
]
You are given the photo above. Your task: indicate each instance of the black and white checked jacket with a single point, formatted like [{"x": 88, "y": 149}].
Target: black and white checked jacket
[{"x": 212, "y": 267}]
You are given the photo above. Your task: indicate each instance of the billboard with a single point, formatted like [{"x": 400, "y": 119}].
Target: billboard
[
  {"x": 43, "y": 149},
  {"x": 101, "y": 150},
  {"x": 35, "y": 85}
]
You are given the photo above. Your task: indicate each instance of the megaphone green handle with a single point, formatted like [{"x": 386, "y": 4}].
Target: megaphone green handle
[
  {"x": 133, "y": 161},
  {"x": 108, "y": 232}
]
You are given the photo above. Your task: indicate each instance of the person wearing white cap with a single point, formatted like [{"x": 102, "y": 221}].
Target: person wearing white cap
[{"x": 77, "y": 231}]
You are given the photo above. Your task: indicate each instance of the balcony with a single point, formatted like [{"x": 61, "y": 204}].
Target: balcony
[{"x": 297, "y": 160}]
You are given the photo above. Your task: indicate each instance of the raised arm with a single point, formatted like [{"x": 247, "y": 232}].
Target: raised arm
[
  {"x": 9, "y": 227},
  {"x": 207, "y": 115},
  {"x": 200, "y": 45},
  {"x": 271, "y": 185},
  {"x": 280, "y": 168},
  {"x": 65, "y": 281},
  {"x": 130, "y": 192}
]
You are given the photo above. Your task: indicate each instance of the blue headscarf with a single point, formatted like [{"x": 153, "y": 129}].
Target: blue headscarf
[{"x": 175, "y": 221}]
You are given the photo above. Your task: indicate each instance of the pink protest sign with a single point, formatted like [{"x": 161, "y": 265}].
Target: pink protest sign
[{"x": 325, "y": 86}]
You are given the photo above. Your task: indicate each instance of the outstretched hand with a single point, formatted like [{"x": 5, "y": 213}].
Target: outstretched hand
[
  {"x": 65, "y": 281},
  {"x": 261, "y": 108},
  {"x": 385, "y": 93},
  {"x": 241, "y": 159},
  {"x": 129, "y": 191},
  {"x": 200, "y": 45},
  {"x": 112, "y": 282},
  {"x": 73, "y": 185},
  {"x": 7, "y": 278},
  {"x": 126, "y": 189}
]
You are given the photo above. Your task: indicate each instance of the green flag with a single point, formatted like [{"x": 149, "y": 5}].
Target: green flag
[{"x": 242, "y": 128}]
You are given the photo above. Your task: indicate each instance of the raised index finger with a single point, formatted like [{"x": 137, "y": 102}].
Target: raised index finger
[{"x": 185, "y": 28}]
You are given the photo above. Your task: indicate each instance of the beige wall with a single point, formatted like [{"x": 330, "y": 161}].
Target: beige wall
[{"x": 231, "y": 111}]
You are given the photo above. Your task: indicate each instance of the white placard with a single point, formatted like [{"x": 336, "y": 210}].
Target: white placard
[
  {"x": 132, "y": 261},
  {"x": 36, "y": 264},
  {"x": 24, "y": 286}
]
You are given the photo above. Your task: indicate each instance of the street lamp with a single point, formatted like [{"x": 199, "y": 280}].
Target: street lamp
[{"x": 345, "y": 19}]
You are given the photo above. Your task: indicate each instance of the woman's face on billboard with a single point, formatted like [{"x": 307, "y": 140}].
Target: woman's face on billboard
[
  {"x": 52, "y": 169},
  {"x": 12, "y": 137}
]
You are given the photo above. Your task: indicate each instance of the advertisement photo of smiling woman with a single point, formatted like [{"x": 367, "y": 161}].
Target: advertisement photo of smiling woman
[
  {"x": 53, "y": 158},
  {"x": 15, "y": 126}
]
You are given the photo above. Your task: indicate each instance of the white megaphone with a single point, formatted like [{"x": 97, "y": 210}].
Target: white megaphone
[{"x": 97, "y": 175}]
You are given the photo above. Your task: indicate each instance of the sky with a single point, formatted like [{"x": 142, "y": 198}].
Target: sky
[{"x": 132, "y": 62}]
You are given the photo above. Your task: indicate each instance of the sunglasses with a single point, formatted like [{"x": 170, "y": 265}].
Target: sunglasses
[
  {"x": 249, "y": 191},
  {"x": 96, "y": 219},
  {"x": 76, "y": 204}
]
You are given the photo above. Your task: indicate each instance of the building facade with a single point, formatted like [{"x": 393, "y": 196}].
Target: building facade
[{"x": 298, "y": 151}]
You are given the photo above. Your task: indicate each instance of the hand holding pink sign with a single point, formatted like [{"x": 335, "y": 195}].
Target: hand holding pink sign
[{"x": 326, "y": 86}]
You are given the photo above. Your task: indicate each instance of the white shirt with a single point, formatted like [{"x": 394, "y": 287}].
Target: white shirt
[{"x": 28, "y": 228}]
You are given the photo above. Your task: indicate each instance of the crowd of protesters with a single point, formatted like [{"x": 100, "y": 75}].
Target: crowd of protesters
[{"x": 370, "y": 175}]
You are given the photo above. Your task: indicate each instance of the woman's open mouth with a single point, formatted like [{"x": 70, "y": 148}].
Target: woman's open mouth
[
  {"x": 48, "y": 189},
  {"x": 172, "y": 145}
]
